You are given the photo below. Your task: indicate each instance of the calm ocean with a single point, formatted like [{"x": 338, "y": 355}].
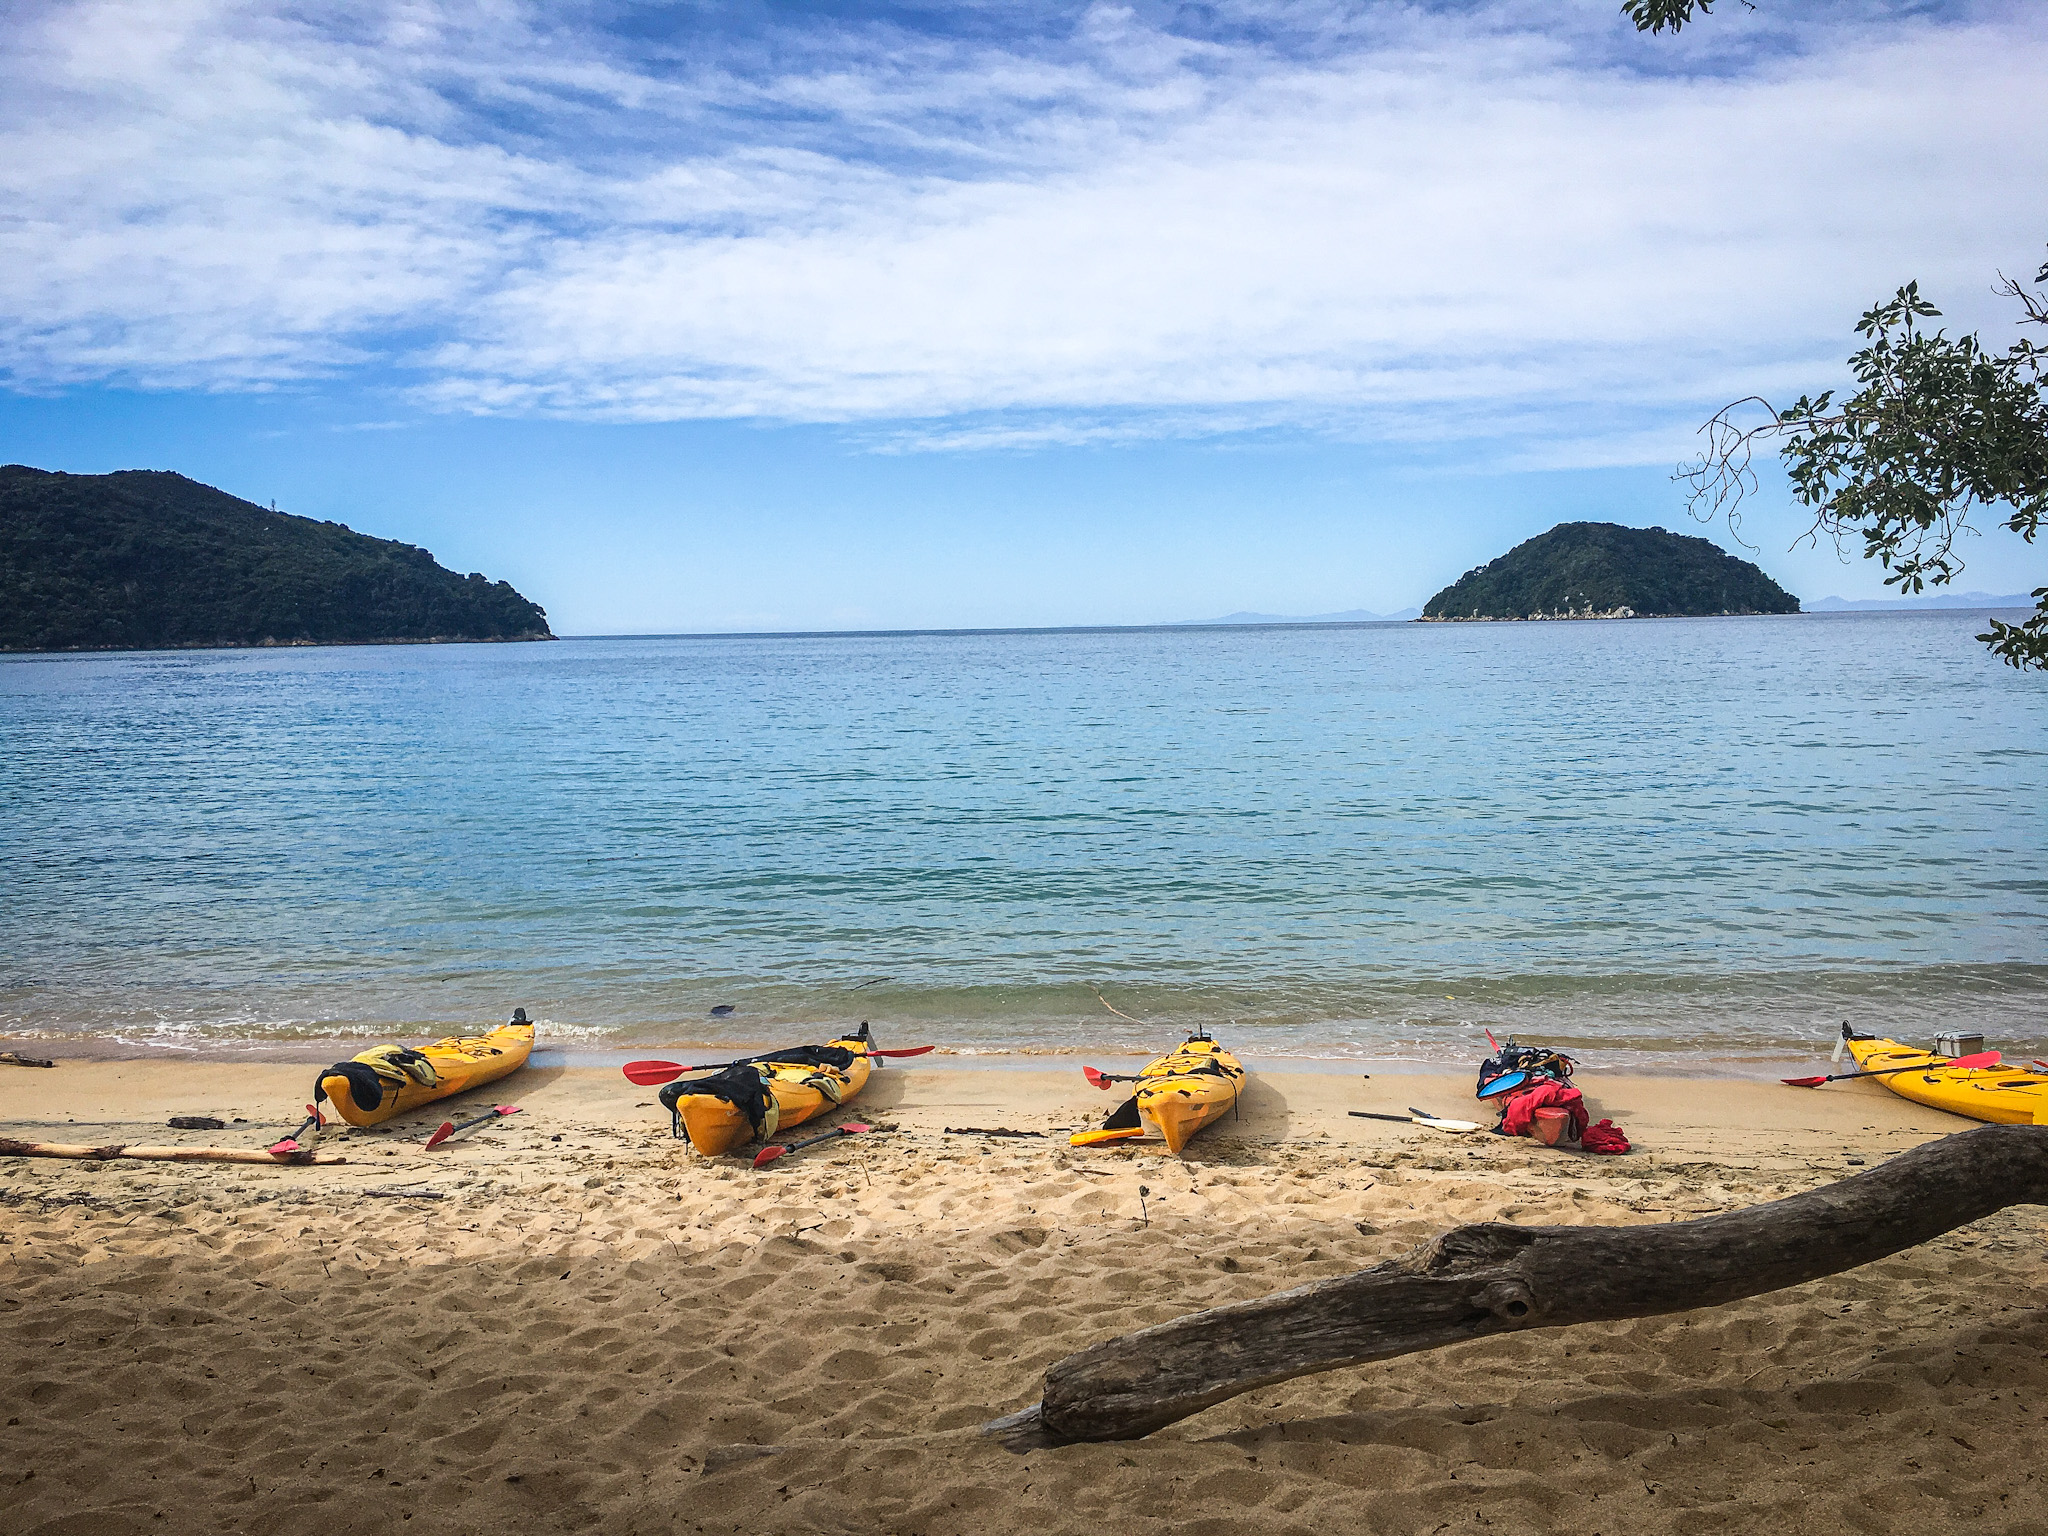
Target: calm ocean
[{"x": 1703, "y": 842}]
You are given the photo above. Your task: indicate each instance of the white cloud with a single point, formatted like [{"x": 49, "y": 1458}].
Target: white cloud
[{"x": 1409, "y": 224}]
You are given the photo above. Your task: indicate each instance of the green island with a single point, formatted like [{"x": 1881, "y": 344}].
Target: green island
[
  {"x": 149, "y": 560},
  {"x": 1606, "y": 571}
]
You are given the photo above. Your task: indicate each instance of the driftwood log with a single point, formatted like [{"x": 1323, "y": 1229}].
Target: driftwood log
[
  {"x": 16, "y": 1059},
  {"x": 1478, "y": 1281},
  {"x": 11, "y": 1148}
]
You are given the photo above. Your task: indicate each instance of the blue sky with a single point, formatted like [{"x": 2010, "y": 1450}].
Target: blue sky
[{"x": 811, "y": 316}]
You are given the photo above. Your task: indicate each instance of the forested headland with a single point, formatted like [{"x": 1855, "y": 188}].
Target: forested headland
[{"x": 149, "y": 560}]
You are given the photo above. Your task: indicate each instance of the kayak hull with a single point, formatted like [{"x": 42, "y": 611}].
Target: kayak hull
[
  {"x": 1176, "y": 1096},
  {"x": 715, "y": 1126},
  {"x": 2002, "y": 1095},
  {"x": 1177, "y": 1120},
  {"x": 461, "y": 1062}
]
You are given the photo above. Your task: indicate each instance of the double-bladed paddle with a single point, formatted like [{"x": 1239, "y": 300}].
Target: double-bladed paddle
[
  {"x": 1420, "y": 1117},
  {"x": 652, "y": 1074},
  {"x": 291, "y": 1143},
  {"x": 450, "y": 1128},
  {"x": 768, "y": 1155},
  {"x": 1981, "y": 1059}
]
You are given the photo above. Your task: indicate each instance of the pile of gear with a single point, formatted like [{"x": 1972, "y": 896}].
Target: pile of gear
[{"x": 1532, "y": 1088}]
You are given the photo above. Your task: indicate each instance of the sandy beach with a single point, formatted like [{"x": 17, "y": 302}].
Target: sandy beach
[{"x": 593, "y": 1329}]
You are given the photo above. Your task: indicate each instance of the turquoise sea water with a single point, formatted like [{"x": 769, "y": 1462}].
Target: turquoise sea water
[{"x": 1694, "y": 840}]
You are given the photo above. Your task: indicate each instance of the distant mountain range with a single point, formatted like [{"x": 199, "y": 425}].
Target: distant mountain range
[
  {"x": 1348, "y": 616},
  {"x": 1925, "y": 600}
]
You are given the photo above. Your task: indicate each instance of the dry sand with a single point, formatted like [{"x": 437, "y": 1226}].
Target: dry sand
[{"x": 594, "y": 1330}]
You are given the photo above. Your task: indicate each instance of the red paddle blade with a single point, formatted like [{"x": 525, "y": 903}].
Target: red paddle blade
[
  {"x": 649, "y": 1074},
  {"x": 283, "y": 1148},
  {"x": 506, "y": 1109},
  {"x": 447, "y": 1130},
  {"x": 1096, "y": 1079},
  {"x": 1982, "y": 1059},
  {"x": 1802, "y": 1082},
  {"x": 768, "y": 1155},
  {"x": 915, "y": 1050},
  {"x": 855, "y": 1129}
]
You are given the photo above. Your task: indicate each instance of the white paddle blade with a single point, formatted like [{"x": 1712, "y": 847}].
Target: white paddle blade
[{"x": 1435, "y": 1123}]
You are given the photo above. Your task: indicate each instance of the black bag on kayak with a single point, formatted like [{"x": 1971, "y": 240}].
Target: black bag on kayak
[
  {"x": 808, "y": 1056},
  {"x": 742, "y": 1085},
  {"x": 368, "y": 1073}
]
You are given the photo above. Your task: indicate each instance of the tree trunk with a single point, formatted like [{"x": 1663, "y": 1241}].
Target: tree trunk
[
  {"x": 11, "y": 1148},
  {"x": 1476, "y": 1281}
]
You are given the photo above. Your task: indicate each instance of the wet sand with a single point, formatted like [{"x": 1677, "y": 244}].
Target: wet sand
[{"x": 593, "y": 1329}]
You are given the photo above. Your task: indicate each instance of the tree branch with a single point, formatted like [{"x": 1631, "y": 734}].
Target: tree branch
[
  {"x": 1937, "y": 428},
  {"x": 1654, "y": 16},
  {"x": 1477, "y": 1281}
]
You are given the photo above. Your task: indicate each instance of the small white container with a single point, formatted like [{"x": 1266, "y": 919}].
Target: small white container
[{"x": 1954, "y": 1043}]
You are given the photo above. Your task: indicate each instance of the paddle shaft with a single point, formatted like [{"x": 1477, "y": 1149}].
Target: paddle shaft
[
  {"x": 836, "y": 1131},
  {"x": 769, "y": 1154},
  {"x": 291, "y": 1143},
  {"x": 449, "y": 1129},
  {"x": 494, "y": 1114},
  {"x": 1949, "y": 1064},
  {"x": 651, "y": 1074},
  {"x": 1421, "y": 1118},
  {"x": 1104, "y": 1079}
]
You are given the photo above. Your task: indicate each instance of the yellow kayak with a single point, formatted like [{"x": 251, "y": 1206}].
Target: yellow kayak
[
  {"x": 758, "y": 1097},
  {"x": 1177, "y": 1095},
  {"x": 2007, "y": 1095},
  {"x": 387, "y": 1080}
]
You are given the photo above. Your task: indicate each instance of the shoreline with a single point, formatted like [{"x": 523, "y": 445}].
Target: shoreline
[
  {"x": 317, "y": 1052},
  {"x": 1883, "y": 608},
  {"x": 115, "y": 1098}
]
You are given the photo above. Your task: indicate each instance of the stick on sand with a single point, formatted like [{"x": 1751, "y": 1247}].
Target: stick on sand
[{"x": 12, "y": 1148}]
